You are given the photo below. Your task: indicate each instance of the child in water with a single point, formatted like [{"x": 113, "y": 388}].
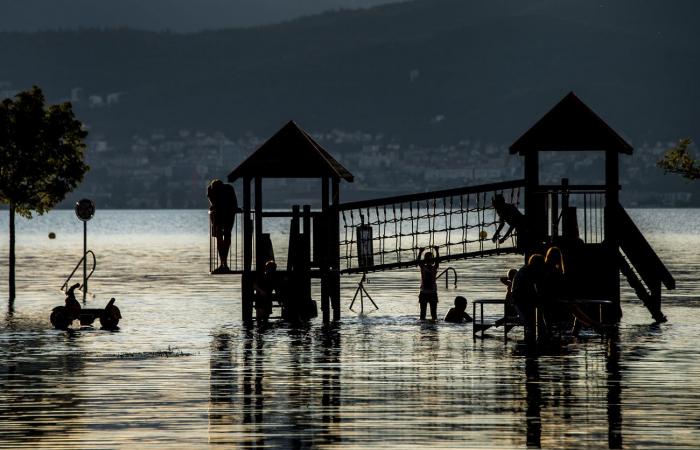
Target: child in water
[
  {"x": 428, "y": 286},
  {"x": 458, "y": 313}
]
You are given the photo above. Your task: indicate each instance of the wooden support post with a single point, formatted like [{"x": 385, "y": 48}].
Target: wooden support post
[
  {"x": 306, "y": 251},
  {"x": 325, "y": 291},
  {"x": 247, "y": 277},
  {"x": 533, "y": 210},
  {"x": 565, "y": 193},
  {"x": 612, "y": 196},
  {"x": 554, "y": 214},
  {"x": 307, "y": 231},
  {"x": 334, "y": 246},
  {"x": 292, "y": 253},
  {"x": 259, "y": 247},
  {"x": 610, "y": 231}
]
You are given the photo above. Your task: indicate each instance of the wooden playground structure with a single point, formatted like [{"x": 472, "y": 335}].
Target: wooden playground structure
[{"x": 587, "y": 222}]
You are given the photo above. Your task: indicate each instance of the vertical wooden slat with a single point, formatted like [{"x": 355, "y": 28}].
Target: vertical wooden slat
[
  {"x": 246, "y": 278},
  {"x": 325, "y": 292}
]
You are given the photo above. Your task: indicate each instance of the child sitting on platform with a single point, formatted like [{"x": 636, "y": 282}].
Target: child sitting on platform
[{"x": 458, "y": 314}]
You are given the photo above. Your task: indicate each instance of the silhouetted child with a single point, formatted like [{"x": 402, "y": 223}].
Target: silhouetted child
[
  {"x": 263, "y": 292},
  {"x": 508, "y": 308},
  {"x": 223, "y": 207},
  {"x": 507, "y": 214},
  {"x": 526, "y": 294},
  {"x": 458, "y": 313},
  {"x": 428, "y": 286}
]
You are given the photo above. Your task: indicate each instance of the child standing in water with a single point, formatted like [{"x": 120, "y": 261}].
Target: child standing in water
[{"x": 428, "y": 286}]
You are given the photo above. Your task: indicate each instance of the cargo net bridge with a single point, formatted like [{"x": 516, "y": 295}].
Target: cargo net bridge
[{"x": 388, "y": 233}]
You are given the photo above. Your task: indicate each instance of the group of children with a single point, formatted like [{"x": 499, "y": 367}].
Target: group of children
[
  {"x": 529, "y": 277},
  {"x": 537, "y": 285},
  {"x": 429, "y": 264}
]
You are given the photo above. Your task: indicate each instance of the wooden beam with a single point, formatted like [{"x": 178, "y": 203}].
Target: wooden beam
[
  {"x": 247, "y": 231},
  {"x": 334, "y": 247},
  {"x": 533, "y": 204},
  {"x": 611, "y": 237},
  {"x": 432, "y": 194},
  {"x": 452, "y": 257},
  {"x": 278, "y": 214},
  {"x": 247, "y": 277}
]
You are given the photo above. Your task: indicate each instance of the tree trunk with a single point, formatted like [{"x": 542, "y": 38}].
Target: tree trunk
[{"x": 12, "y": 254}]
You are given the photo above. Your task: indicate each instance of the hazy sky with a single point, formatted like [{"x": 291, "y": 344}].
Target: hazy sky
[{"x": 176, "y": 15}]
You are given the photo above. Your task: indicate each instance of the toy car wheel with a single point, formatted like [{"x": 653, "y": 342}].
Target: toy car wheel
[
  {"x": 110, "y": 318},
  {"x": 60, "y": 318}
]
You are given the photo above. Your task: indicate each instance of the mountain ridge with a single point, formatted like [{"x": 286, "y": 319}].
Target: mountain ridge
[
  {"x": 156, "y": 15},
  {"x": 423, "y": 70}
]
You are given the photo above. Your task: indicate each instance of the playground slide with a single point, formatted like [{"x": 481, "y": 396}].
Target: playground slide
[{"x": 641, "y": 265}]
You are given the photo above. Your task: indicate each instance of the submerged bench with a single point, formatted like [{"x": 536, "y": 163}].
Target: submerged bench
[
  {"x": 480, "y": 326},
  {"x": 579, "y": 308},
  {"x": 576, "y": 309}
]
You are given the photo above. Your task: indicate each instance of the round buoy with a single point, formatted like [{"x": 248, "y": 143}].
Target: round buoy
[
  {"x": 483, "y": 234},
  {"x": 52, "y": 235},
  {"x": 60, "y": 318}
]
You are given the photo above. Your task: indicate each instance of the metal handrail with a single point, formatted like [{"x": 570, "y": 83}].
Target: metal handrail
[
  {"x": 446, "y": 272},
  {"x": 573, "y": 188},
  {"x": 94, "y": 265}
]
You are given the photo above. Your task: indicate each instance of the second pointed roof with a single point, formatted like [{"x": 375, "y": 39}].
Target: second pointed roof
[{"x": 570, "y": 125}]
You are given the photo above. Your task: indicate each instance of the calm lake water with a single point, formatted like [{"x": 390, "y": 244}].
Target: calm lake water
[{"x": 184, "y": 372}]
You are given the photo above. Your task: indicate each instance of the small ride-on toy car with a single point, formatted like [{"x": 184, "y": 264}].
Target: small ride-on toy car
[{"x": 63, "y": 316}]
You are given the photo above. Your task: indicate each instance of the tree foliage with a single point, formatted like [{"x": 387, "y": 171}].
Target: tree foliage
[
  {"x": 679, "y": 160},
  {"x": 42, "y": 150}
]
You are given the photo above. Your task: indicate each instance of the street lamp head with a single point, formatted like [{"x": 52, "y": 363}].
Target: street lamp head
[{"x": 85, "y": 209}]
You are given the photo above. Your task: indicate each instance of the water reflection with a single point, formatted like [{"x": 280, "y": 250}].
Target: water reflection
[
  {"x": 551, "y": 384},
  {"x": 614, "y": 396},
  {"x": 533, "y": 400},
  {"x": 329, "y": 362},
  {"x": 222, "y": 387},
  {"x": 29, "y": 400},
  {"x": 280, "y": 387},
  {"x": 258, "y": 401}
]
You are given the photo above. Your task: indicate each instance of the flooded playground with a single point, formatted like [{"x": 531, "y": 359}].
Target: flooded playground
[{"x": 183, "y": 371}]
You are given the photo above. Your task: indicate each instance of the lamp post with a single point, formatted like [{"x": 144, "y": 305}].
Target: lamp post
[{"x": 85, "y": 210}]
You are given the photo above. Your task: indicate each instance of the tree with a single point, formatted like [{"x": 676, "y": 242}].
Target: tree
[
  {"x": 42, "y": 149},
  {"x": 678, "y": 160}
]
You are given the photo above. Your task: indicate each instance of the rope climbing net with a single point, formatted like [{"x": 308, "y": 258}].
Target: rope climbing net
[{"x": 388, "y": 233}]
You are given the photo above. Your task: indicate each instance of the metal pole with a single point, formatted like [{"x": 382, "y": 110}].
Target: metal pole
[{"x": 85, "y": 288}]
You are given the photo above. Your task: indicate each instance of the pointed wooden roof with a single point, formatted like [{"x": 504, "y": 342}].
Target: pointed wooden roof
[
  {"x": 290, "y": 153},
  {"x": 570, "y": 125}
]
